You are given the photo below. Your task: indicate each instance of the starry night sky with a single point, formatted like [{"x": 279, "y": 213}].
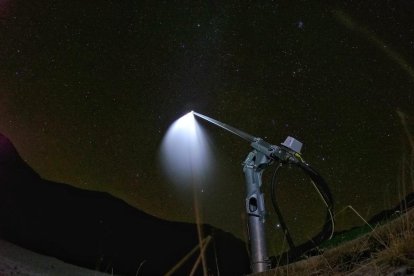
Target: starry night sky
[{"x": 87, "y": 91}]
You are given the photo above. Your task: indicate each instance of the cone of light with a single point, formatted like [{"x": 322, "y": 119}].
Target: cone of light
[{"x": 185, "y": 152}]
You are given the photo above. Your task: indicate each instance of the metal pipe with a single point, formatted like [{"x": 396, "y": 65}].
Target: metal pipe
[
  {"x": 253, "y": 166},
  {"x": 255, "y": 208},
  {"x": 231, "y": 129}
]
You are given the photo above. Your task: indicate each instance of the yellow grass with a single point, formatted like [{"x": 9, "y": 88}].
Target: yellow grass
[{"x": 386, "y": 250}]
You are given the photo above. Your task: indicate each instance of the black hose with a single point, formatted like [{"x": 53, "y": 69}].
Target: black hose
[
  {"x": 277, "y": 210},
  {"x": 327, "y": 230}
]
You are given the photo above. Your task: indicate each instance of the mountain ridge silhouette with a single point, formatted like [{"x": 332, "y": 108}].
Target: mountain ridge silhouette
[{"x": 99, "y": 231}]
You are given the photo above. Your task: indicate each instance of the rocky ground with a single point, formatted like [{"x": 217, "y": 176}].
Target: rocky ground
[{"x": 15, "y": 260}]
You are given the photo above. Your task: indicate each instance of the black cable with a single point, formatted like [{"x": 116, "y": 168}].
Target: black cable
[
  {"x": 327, "y": 230},
  {"x": 277, "y": 210}
]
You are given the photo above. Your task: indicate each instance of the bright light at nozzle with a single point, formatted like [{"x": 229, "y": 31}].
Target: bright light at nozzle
[
  {"x": 192, "y": 113},
  {"x": 185, "y": 153}
]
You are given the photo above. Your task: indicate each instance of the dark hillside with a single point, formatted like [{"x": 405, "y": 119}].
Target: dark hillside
[{"x": 98, "y": 231}]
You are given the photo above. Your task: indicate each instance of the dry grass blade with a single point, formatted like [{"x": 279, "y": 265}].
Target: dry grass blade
[{"x": 386, "y": 250}]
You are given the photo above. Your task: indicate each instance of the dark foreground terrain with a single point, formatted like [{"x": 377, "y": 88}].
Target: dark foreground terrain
[
  {"x": 98, "y": 231},
  {"x": 387, "y": 249}
]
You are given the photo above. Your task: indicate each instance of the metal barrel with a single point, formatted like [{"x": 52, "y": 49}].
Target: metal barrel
[{"x": 231, "y": 129}]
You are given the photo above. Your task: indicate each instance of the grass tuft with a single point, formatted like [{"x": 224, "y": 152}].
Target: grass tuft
[{"x": 387, "y": 249}]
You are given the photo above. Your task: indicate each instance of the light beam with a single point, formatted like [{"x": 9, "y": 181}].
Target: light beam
[
  {"x": 186, "y": 159},
  {"x": 185, "y": 152}
]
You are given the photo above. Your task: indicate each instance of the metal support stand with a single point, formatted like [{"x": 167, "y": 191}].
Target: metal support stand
[
  {"x": 255, "y": 209},
  {"x": 262, "y": 156}
]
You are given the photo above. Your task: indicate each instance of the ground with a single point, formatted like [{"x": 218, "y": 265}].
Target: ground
[{"x": 15, "y": 260}]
